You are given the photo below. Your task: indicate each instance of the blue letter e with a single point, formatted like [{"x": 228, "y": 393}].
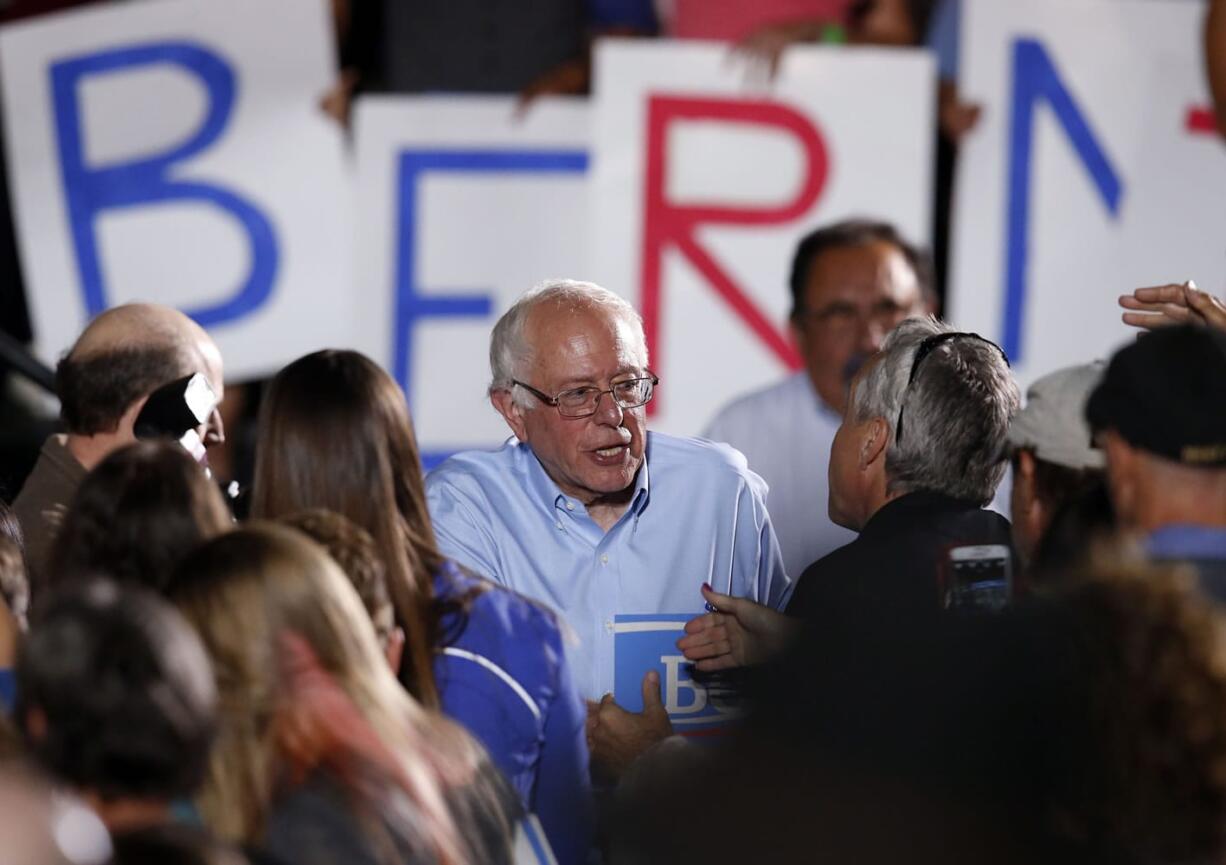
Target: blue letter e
[{"x": 91, "y": 190}]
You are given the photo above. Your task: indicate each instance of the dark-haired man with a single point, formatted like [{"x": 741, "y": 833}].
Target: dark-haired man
[
  {"x": 1160, "y": 414},
  {"x": 851, "y": 283},
  {"x": 120, "y": 358}
]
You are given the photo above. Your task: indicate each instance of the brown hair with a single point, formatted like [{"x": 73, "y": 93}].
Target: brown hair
[
  {"x": 136, "y": 515},
  {"x": 1155, "y": 651},
  {"x": 335, "y": 433},
  {"x": 245, "y": 593},
  {"x": 353, "y": 549}
]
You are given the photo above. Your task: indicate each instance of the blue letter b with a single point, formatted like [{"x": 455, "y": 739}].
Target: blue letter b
[{"x": 91, "y": 190}]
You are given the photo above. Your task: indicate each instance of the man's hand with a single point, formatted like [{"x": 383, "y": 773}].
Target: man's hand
[
  {"x": 571, "y": 78},
  {"x": 1164, "y": 305},
  {"x": 617, "y": 737},
  {"x": 736, "y": 634}
]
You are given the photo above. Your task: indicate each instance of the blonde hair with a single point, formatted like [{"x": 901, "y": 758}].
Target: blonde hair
[{"x": 246, "y": 592}]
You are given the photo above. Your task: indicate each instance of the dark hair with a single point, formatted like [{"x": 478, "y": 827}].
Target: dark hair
[
  {"x": 920, "y": 13},
  {"x": 852, "y": 232},
  {"x": 1054, "y": 483},
  {"x": 1081, "y": 518},
  {"x": 96, "y": 390},
  {"x": 136, "y": 515},
  {"x": 123, "y": 692},
  {"x": 335, "y": 433},
  {"x": 351, "y": 547}
]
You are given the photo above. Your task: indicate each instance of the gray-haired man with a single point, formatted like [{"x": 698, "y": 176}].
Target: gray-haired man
[{"x": 919, "y": 454}]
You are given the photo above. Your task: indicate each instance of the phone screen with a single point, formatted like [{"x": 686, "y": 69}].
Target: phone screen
[{"x": 978, "y": 578}]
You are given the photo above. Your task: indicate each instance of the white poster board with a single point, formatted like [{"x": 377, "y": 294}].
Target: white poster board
[
  {"x": 464, "y": 204},
  {"x": 704, "y": 183},
  {"x": 1093, "y": 170},
  {"x": 174, "y": 151}
]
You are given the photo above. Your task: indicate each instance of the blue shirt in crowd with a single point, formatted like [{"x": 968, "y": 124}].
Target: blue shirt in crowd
[
  {"x": 506, "y": 679},
  {"x": 698, "y": 515}
]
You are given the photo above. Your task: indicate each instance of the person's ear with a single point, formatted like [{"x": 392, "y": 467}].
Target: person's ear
[
  {"x": 1023, "y": 475},
  {"x": 127, "y": 421},
  {"x": 875, "y": 440},
  {"x": 512, "y": 412},
  {"x": 1121, "y": 474},
  {"x": 1024, "y": 496},
  {"x": 393, "y": 649}
]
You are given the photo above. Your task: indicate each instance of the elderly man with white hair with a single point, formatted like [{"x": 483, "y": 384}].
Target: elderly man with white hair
[{"x": 585, "y": 510}]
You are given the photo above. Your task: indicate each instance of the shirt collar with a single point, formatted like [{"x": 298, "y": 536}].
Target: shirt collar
[
  {"x": 917, "y": 507},
  {"x": 1187, "y": 542},
  {"x": 549, "y": 495}
]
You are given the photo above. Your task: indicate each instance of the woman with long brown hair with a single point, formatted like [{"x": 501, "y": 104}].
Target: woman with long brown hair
[
  {"x": 335, "y": 433},
  {"x": 136, "y": 515},
  {"x": 321, "y": 756}
]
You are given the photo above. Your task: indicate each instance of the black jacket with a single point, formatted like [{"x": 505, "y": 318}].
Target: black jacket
[{"x": 897, "y": 567}]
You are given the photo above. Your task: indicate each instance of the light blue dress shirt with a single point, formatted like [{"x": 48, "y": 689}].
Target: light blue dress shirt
[
  {"x": 698, "y": 515},
  {"x": 785, "y": 432}
]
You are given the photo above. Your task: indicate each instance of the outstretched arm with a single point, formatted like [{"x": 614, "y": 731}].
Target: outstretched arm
[{"x": 736, "y": 633}]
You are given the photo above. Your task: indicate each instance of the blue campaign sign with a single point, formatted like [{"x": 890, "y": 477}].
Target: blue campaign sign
[
  {"x": 149, "y": 181},
  {"x": 412, "y": 304},
  {"x": 649, "y": 642}
]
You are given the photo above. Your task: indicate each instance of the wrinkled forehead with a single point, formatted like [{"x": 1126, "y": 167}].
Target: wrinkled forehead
[
  {"x": 557, "y": 333},
  {"x": 864, "y": 272}
]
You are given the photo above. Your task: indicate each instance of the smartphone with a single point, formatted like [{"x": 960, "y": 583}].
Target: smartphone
[{"x": 978, "y": 578}]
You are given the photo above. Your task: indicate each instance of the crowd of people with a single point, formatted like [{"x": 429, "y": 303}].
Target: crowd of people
[
  {"x": 375, "y": 665},
  {"x": 861, "y": 657}
]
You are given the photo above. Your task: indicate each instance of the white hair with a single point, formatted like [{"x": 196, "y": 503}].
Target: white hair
[
  {"x": 511, "y": 354},
  {"x": 955, "y": 413}
]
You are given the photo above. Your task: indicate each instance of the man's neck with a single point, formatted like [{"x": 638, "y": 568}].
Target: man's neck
[
  {"x": 91, "y": 450},
  {"x": 878, "y": 500},
  {"x": 607, "y": 510},
  {"x": 835, "y": 402},
  {"x": 1206, "y": 516}
]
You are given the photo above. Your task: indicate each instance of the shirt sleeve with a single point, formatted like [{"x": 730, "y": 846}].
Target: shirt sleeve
[
  {"x": 562, "y": 799},
  {"x": 777, "y": 587},
  {"x": 460, "y": 534},
  {"x": 760, "y": 560}
]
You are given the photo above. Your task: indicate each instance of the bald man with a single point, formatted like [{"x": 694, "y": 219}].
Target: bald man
[{"x": 123, "y": 355}]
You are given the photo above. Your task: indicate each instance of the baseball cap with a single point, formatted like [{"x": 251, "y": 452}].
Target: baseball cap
[
  {"x": 1165, "y": 393},
  {"x": 1053, "y": 422}
]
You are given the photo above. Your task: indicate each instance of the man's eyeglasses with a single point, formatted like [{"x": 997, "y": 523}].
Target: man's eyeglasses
[
  {"x": 926, "y": 348},
  {"x": 583, "y": 401}
]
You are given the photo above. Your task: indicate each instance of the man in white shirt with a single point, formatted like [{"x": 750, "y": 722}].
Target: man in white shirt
[{"x": 851, "y": 283}]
